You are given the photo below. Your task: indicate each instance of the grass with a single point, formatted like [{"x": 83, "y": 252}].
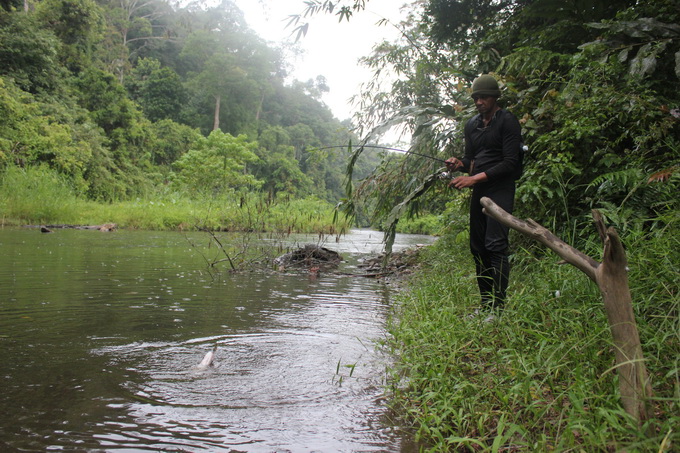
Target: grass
[
  {"x": 541, "y": 378},
  {"x": 38, "y": 196}
]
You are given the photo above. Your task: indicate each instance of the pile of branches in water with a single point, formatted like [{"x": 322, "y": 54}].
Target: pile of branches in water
[
  {"x": 314, "y": 258},
  {"x": 396, "y": 264},
  {"x": 309, "y": 256}
]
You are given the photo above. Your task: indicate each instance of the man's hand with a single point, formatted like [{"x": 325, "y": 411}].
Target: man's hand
[
  {"x": 453, "y": 164},
  {"x": 461, "y": 182}
]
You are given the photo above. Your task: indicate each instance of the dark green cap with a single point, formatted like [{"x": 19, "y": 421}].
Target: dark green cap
[{"x": 485, "y": 85}]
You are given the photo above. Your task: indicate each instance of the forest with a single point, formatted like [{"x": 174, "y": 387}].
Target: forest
[
  {"x": 119, "y": 101},
  {"x": 153, "y": 103}
]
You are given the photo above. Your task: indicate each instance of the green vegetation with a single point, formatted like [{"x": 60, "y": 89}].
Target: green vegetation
[
  {"x": 38, "y": 195},
  {"x": 541, "y": 377},
  {"x": 593, "y": 84},
  {"x": 151, "y": 116}
]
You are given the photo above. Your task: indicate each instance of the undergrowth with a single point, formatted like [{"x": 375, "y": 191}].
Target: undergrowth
[
  {"x": 542, "y": 377},
  {"x": 39, "y": 196}
]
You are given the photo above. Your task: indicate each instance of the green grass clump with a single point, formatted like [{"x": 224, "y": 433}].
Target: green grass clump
[
  {"x": 40, "y": 196},
  {"x": 431, "y": 224},
  {"x": 542, "y": 377},
  {"x": 36, "y": 194}
]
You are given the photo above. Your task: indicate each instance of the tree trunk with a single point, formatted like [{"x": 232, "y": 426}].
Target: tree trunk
[
  {"x": 216, "y": 121},
  {"x": 259, "y": 108},
  {"x": 612, "y": 279}
]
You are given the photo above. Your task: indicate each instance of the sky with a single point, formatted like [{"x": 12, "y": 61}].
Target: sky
[{"x": 331, "y": 49}]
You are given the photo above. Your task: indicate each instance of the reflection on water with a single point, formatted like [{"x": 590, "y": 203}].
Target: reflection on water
[{"x": 100, "y": 335}]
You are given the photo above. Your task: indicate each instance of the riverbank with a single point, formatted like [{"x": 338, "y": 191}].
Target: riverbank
[
  {"x": 237, "y": 213},
  {"x": 41, "y": 197},
  {"x": 541, "y": 377}
]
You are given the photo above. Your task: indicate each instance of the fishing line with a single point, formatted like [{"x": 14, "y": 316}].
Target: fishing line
[{"x": 385, "y": 148}]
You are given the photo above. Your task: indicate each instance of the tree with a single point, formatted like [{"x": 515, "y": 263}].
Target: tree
[
  {"x": 589, "y": 81},
  {"x": 216, "y": 163},
  {"x": 78, "y": 24},
  {"x": 132, "y": 25},
  {"x": 107, "y": 100},
  {"x": 9, "y": 5},
  {"x": 186, "y": 71},
  {"x": 277, "y": 165},
  {"x": 158, "y": 90},
  {"x": 28, "y": 54},
  {"x": 171, "y": 141}
]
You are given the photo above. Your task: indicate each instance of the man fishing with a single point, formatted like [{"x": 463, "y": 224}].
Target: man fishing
[{"x": 493, "y": 162}]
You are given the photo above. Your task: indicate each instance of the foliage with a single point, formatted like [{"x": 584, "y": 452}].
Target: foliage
[
  {"x": 28, "y": 53},
  {"x": 344, "y": 10},
  {"x": 592, "y": 84},
  {"x": 34, "y": 133},
  {"x": 425, "y": 224},
  {"x": 78, "y": 24},
  {"x": 157, "y": 89},
  {"x": 36, "y": 195},
  {"x": 171, "y": 140},
  {"x": 39, "y": 195},
  {"x": 215, "y": 164}
]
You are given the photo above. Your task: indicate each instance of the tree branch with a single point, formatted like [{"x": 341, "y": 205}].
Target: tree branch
[
  {"x": 612, "y": 279},
  {"x": 541, "y": 234}
]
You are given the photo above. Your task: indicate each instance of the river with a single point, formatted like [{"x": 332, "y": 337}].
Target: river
[{"x": 101, "y": 335}]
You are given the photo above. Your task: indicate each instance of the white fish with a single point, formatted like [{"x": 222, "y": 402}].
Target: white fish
[{"x": 207, "y": 360}]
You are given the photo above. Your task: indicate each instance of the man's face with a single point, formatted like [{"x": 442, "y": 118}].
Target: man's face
[{"x": 484, "y": 104}]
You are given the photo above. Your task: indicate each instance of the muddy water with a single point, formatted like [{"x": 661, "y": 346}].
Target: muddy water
[{"x": 101, "y": 335}]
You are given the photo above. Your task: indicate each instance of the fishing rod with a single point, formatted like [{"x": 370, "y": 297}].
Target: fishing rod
[{"x": 385, "y": 148}]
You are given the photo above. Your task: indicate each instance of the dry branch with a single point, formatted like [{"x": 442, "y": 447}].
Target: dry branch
[{"x": 611, "y": 277}]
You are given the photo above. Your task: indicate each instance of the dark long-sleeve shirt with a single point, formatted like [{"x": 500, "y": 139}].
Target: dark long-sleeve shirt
[{"x": 495, "y": 149}]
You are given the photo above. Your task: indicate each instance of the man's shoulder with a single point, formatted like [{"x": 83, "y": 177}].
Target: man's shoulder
[
  {"x": 506, "y": 113},
  {"x": 507, "y": 117},
  {"x": 473, "y": 121}
]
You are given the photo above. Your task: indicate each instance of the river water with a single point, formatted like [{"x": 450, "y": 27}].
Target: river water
[{"x": 101, "y": 335}]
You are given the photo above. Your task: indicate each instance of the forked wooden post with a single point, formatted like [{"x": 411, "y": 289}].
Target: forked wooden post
[{"x": 612, "y": 278}]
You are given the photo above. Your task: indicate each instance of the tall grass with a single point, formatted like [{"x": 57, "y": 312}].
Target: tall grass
[
  {"x": 542, "y": 377},
  {"x": 38, "y": 195}
]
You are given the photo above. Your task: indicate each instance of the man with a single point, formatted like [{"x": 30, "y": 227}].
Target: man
[{"x": 492, "y": 160}]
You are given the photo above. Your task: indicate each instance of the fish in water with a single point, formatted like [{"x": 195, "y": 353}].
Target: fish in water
[{"x": 208, "y": 360}]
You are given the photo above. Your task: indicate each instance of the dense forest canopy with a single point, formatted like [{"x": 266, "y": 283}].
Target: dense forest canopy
[{"x": 126, "y": 96}]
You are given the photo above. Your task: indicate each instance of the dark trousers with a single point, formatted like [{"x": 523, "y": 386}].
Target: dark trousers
[{"x": 489, "y": 242}]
